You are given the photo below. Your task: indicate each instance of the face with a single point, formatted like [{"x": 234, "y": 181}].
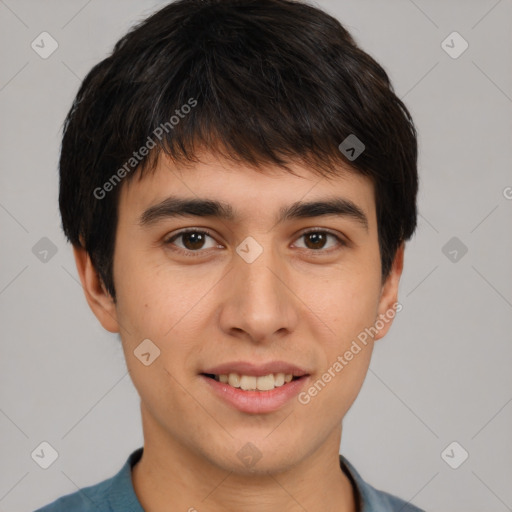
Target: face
[{"x": 251, "y": 296}]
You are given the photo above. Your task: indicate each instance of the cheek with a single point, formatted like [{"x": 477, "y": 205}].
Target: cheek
[
  {"x": 349, "y": 306},
  {"x": 346, "y": 302},
  {"x": 149, "y": 300},
  {"x": 334, "y": 389},
  {"x": 168, "y": 306}
]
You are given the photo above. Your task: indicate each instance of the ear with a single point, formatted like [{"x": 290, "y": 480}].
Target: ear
[
  {"x": 389, "y": 294},
  {"x": 99, "y": 300}
]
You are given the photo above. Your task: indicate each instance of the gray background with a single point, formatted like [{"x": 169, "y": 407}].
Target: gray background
[{"x": 442, "y": 374}]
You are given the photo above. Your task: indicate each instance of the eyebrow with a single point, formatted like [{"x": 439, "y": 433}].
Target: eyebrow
[{"x": 173, "y": 206}]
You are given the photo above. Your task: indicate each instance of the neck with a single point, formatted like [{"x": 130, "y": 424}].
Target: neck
[{"x": 171, "y": 477}]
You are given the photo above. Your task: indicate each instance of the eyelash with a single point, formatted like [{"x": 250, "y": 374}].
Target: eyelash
[{"x": 189, "y": 253}]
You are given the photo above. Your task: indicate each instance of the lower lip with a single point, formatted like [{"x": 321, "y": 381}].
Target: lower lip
[{"x": 257, "y": 402}]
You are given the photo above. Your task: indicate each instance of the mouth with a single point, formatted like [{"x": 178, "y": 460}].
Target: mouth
[
  {"x": 255, "y": 389},
  {"x": 252, "y": 382}
]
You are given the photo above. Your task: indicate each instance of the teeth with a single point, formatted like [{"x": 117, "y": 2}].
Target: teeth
[
  {"x": 234, "y": 380},
  {"x": 279, "y": 379},
  {"x": 247, "y": 383},
  {"x": 252, "y": 383},
  {"x": 265, "y": 383}
]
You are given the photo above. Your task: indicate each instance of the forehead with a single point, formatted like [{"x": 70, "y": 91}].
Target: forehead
[{"x": 245, "y": 191}]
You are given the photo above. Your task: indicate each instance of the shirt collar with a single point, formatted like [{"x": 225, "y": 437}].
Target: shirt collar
[{"x": 122, "y": 494}]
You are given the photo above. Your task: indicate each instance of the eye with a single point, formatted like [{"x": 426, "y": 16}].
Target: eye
[
  {"x": 195, "y": 241},
  {"x": 192, "y": 241},
  {"x": 316, "y": 240}
]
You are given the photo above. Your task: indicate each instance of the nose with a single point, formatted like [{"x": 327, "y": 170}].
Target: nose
[{"x": 259, "y": 304}]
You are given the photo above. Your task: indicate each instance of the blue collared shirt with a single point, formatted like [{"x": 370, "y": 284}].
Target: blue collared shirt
[{"x": 116, "y": 494}]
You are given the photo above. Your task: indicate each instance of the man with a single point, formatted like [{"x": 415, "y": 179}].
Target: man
[{"x": 238, "y": 181}]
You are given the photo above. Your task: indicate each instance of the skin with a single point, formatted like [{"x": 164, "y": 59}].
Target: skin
[{"x": 298, "y": 302}]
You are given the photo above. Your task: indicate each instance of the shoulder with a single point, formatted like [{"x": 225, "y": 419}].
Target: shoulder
[
  {"x": 89, "y": 499},
  {"x": 116, "y": 494},
  {"x": 372, "y": 499}
]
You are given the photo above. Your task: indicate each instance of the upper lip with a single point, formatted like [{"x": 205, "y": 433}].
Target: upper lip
[{"x": 256, "y": 370}]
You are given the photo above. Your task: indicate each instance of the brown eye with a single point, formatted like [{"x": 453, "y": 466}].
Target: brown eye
[
  {"x": 317, "y": 240},
  {"x": 191, "y": 241}
]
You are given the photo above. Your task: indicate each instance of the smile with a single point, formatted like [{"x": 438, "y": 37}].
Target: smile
[
  {"x": 253, "y": 383},
  {"x": 255, "y": 389}
]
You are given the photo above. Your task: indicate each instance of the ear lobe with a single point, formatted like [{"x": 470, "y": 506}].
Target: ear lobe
[
  {"x": 389, "y": 293},
  {"x": 99, "y": 300}
]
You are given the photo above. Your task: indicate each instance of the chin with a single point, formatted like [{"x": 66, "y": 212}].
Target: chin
[{"x": 257, "y": 457}]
